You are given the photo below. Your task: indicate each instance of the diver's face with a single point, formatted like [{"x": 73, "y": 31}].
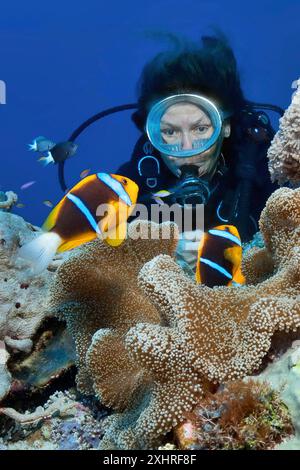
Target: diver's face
[{"x": 186, "y": 123}]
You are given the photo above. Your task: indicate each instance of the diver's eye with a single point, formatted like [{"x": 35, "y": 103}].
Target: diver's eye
[
  {"x": 168, "y": 132},
  {"x": 202, "y": 129}
]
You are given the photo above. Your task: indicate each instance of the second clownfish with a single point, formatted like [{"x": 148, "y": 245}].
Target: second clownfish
[
  {"x": 220, "y": 257},
  {"x": 76, "y": 219}
]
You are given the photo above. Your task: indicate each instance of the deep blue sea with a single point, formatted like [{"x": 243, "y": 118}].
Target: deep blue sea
[{"x": 64, "y": 61}]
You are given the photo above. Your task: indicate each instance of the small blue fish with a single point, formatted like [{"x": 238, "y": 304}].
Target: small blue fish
[
  {"x": 41, "y": 144},
  {"x": 59, "y": 153}
]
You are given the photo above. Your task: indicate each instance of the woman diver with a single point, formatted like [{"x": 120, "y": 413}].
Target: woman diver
[{"x": 201, "y": 138}]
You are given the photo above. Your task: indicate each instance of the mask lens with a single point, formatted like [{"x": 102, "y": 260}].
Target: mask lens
[
  {"x": 200, "y": 144},
  {"x": 181, "y": 125}
]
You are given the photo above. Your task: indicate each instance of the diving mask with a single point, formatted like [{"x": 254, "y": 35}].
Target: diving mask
[{"x": 196, "y": 132}]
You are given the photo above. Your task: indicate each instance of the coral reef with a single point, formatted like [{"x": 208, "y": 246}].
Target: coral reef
[
  {"x": 242, "y": 415},
  {"x": 52, "y": 356},
  {"x": 283, "y": 374},
  {"x": 256, "y": 242},
  {"x": 96, "y": 289},
  {"x": 284, "y": 152},
  {"x": 215, "y": 334},
  {"x": 7, "y": 200},
  {"x": 23, "y": 301},
  {"x": 64, "y": 423},
  {"x": 62, "y": 407},
  {"x": 151, "y": 342},
  {"x": 5, "y": 376}
]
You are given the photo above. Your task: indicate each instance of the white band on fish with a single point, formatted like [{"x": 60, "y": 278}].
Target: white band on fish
[
  {"x": 79, "y": 204},
  {"x": 223, "y": 234},
  {"x": 115, "y": 186}
]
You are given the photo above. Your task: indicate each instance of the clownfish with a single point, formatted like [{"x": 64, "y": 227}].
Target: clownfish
[
  {"x": 97, "y": 206},
  {"x": 219, "y": 257}
]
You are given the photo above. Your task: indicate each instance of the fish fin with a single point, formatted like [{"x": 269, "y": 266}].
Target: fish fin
[
  {"x": 116, "y": 236},
  {"x": 118, "y": 214},
  {"x": 200, "y": 250},
  {"x": 46, "y": 160},
  {"x": 234, "y": 255},
  {"x": 197, "y": 275},
  {"x": 83, "y": 182},
  {"x": 52, "y": 217},
  {"x": 158, "y": 200},
  {"x": 74, "y": 243},
  {"x": 110, "y": 220},
  {"x": 40, "y": 251},
  {"x": 239, "y": 277}
]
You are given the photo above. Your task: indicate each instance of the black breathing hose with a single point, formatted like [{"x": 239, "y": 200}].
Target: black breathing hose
[{"x": 82, "y": 127}]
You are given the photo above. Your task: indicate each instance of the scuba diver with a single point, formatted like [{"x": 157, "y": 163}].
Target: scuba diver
[
  {"x": 200, "y": 136},
  {"x": 202, "y": 142}
]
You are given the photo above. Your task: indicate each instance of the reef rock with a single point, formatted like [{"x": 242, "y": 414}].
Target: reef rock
[
  {"x": 62, "y": 423},
  {"x": 284, "y": 376},
  {"x": 7, "y": 200},
  {"x": 284, "y": 152},
  {"x": 23, "y": 300},
  {"x": 52, "y": 356},
  {"x": 5, "y": 376}
]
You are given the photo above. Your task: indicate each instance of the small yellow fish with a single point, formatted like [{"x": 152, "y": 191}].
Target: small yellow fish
[
  {"x": 20, "y": 205},
  {"x": 158, "y": 197},
  {"x": 162, "y": 193}
]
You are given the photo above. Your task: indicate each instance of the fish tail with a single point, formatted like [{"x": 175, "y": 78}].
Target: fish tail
[
  {"x": 32, "y": 146},
  {"x": 40, "y": 251},
  {"x": 46, "y": 160}
]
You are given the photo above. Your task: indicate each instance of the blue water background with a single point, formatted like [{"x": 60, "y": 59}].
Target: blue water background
[{"x": 63, "y": 61}]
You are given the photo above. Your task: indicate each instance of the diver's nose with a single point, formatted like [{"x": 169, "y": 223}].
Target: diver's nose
[{"x": 186, "y": 141}]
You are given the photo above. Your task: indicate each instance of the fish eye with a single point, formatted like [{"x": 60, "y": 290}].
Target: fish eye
[{"x": 124, "y": 181}]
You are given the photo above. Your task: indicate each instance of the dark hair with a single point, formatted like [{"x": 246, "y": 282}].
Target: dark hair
[{"x": 210, "y": 70}]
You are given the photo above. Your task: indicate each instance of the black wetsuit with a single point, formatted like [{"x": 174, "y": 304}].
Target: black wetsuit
[{"x": 239, "y": 189}]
